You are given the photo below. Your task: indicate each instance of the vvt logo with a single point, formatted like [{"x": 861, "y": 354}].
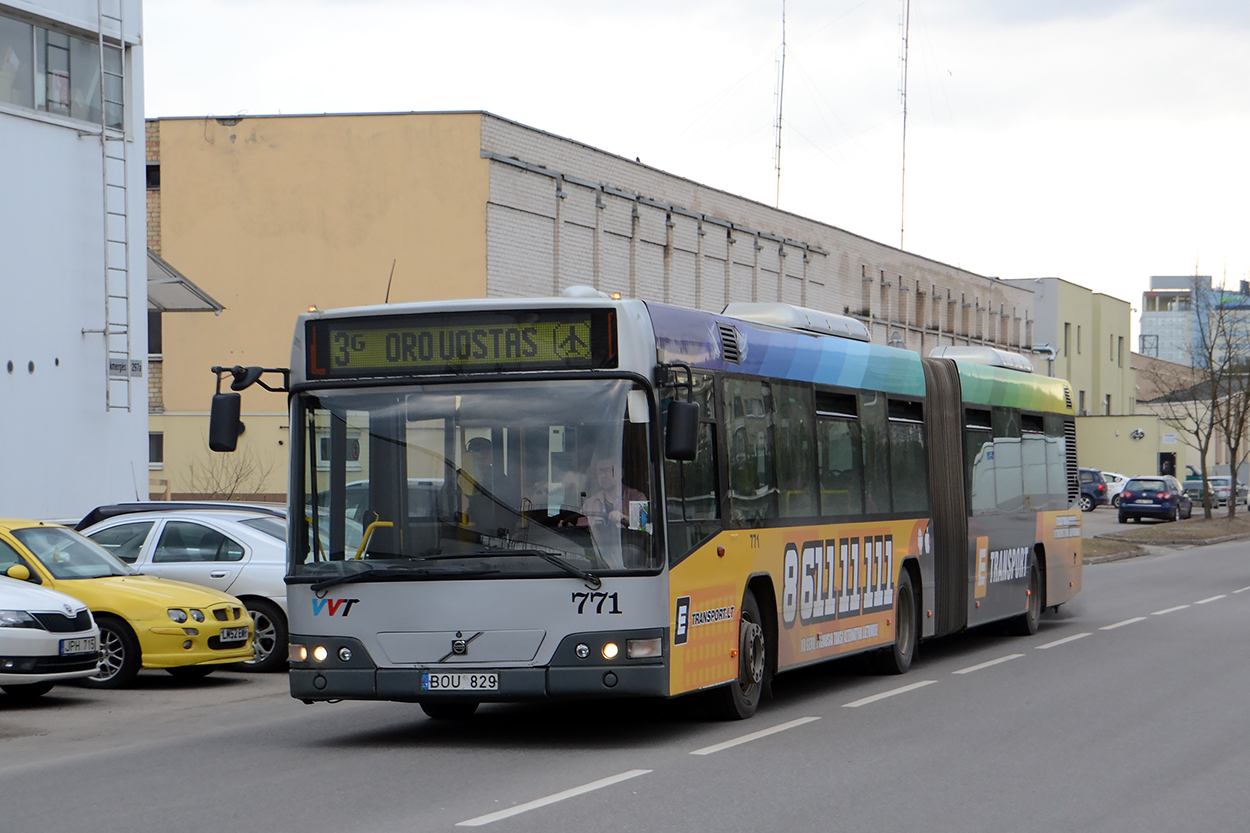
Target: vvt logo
[{"x": 333, "y": 606}]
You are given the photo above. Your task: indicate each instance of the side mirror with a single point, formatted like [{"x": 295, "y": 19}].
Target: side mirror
[
  {"x": 681, "y": 440},
  {"x": 224, "y": 426},
  {"x": 18, "y": 571}
]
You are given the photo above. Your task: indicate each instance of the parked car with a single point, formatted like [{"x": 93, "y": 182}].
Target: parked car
[
  {"x": 1154, "y": 497},
  {"x": 240, "y": 551},
  {"x": 1093, "y": 490},
  {"x": 1222, "y": 491},
  {"x": 46, "y": 637},
  {"x": 144, "y": 621},
  {"x": 1115, "y": 484}
]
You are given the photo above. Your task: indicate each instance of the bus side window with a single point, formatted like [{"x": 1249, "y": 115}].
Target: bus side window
[
  {"x": 752, "y": 473},
  {"x": 840, "y": 453},
  {"x": 979, "y": 461},
  {"x": 1008, "y": 468},
  {"x": 872, "y": 416},
  {"x": 796, "y": 448},
  {"x": 693, "y": 501},
  {"x": 909, "y": 462}
]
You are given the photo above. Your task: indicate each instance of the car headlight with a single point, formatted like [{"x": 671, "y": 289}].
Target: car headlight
[
  {"x": 18, "y": 619},
  {"x": 177, "y": 615},
  {"x": 197, "y": 615}
]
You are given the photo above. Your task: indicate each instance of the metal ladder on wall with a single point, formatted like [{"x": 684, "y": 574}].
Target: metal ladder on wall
[{"x": 116, "y": 170}]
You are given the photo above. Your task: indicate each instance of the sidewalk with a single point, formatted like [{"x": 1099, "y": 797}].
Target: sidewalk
[{"x": 1131, "y": 539}]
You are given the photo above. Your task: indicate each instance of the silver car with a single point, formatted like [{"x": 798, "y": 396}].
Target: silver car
[
  {"x": 237, "y": 551},
  {"x": 46, "y": 637}
]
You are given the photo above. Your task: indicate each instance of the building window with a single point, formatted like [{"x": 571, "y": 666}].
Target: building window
[
  {"x": 1078, "y": 339},
  {"x": 1119, "y": 351},
  {"x": 1067, "y": 337},
  {"x": 154, "y": 176},
  {"x": 56, "y": 72},
  {"x": 154, "y": 332},
  {"x": 1080, "y": 406},
  {"x": 1106, "y": 404},
  {"x": 156, "y": 450}
]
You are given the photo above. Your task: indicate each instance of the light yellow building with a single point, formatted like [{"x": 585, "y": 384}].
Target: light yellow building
[{"x": 274, "y": 214}]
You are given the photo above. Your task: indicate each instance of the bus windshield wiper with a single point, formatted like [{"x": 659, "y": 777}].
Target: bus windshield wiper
[
  {"x": 372, "y": 572},
  {"x": 592, "y": 581}
]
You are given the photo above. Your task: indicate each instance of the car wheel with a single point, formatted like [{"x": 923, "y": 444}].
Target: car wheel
[
  {"x": 120, "y": 659},
  {"x": 1087, "y": 503},
  {"x": 739, "y": 699},
  {"x": 190, "y": 672},
  {"x": 450, "y": 709},
  {"x": 1115, "y": 501},
  {"x": 897, "y": 658},
  {"x": 1123, "y": 518},
  {"x": 1189, "y": 512},
  {"x": 1026, "y": 623},
  {"x": 27, "y": 691},
  {"x": 1176, "y": 514},
  {"x": 269, "y": 639}
]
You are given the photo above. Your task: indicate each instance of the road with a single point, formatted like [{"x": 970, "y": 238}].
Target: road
[{"x": 1126, "y": 712}]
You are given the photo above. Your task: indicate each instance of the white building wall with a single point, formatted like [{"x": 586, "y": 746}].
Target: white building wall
[
  {"x": 63, "y": 451},
  {"x": 621, "y": 226}
]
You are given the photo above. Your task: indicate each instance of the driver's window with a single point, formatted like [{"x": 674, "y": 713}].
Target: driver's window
[{"x": 8, "y": 557}]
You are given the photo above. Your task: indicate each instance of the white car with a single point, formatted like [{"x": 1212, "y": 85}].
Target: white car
[
  {"x": 237, "y": 551},
  {"x": 1115, "y": 484},
  {"x": 46, "y": 637}
]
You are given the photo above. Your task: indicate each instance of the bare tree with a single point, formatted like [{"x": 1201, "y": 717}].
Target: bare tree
[
  {"x": 1231, "y": 341},
  {"x": 1188, "y": 406},
  {"x": 229, "y": 476}
]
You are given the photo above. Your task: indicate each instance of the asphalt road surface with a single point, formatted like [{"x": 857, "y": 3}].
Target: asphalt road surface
[{"x": 1126, "y": 712}]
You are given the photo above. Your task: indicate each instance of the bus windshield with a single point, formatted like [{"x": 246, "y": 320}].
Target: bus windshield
[{"x": 499, "y": 479}]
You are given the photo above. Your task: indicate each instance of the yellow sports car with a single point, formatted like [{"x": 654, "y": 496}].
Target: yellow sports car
[{"x": 144, "y": 621}]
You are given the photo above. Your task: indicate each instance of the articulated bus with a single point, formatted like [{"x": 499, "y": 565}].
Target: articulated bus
[{"x": 584, "y": 497}]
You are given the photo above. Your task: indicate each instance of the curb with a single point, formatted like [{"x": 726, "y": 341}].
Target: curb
[{"x": 1185, "y": 542}]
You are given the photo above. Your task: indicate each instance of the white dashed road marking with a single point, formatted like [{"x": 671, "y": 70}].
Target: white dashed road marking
[
  {"x": 762, "y": 733},
  {"x": 1212, "y": 599},
  {"x": 1122, "y": 624},
  {"x": 1063, "y": 641},
  {"x": 992, "y": 662},
  {"x": 874, "y": 698},
  {"x": 1169, "y": 610},
  {"x": 552, "y": 799}
]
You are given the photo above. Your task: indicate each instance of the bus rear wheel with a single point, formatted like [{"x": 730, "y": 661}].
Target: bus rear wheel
[
  {"x": 897, "y": 659},
  {"x": 1026, "y": 623},
  {"x": 739, "y": 699},
  {"x": 449, "y": 709}
]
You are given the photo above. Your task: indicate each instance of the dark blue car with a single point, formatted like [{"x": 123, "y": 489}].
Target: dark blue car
[
  {"x": 1154, "y": 497},
  {"x": 1093, "y": 490}
]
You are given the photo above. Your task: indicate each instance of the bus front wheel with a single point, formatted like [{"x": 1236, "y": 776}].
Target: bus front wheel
[{"x": 739, "y": 699}]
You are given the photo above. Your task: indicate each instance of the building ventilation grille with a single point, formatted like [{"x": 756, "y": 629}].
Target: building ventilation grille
[
  {"x": 1074, "y": 474},
  {"x": 729, "y": 343}
]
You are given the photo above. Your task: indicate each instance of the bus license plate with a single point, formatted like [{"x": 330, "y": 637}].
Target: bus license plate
[
  {"x": 482, "y": 681},
  {"x": 81, "y": 645},
  {"x": 234, "y": 634}
]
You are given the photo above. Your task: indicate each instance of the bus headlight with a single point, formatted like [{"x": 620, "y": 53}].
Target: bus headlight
[
  {"x": 644, "y": 648},
  {"x": 320, "y": 653},
  {"x": 610, "y": 650}
]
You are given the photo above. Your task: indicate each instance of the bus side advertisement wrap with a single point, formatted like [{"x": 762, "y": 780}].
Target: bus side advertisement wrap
[
  {"x": 462, "y": 342},
  {"x": 834, "y": 594}
]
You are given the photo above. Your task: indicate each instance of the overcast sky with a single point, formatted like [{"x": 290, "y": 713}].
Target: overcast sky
[{"x": 1100, "y": 141}]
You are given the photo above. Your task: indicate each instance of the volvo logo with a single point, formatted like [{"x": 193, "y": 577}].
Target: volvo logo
[{"x": 460, "y": 645}]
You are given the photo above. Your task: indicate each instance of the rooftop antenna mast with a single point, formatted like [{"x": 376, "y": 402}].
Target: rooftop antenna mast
[
  {"x": 781, "y": 90},
  {"x": 905, "y": 24}
]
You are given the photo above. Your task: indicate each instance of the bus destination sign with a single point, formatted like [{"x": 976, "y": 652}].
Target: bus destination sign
[{"x": 462, "y": 342}]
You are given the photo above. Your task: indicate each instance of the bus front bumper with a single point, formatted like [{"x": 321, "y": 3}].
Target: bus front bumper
[{"x": 567, "y": 676}]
